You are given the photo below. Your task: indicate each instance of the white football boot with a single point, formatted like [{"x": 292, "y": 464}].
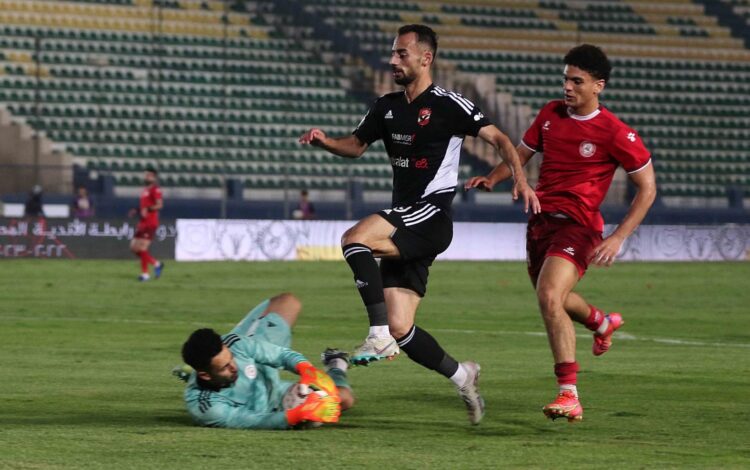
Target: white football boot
[
  {"x": 469, "y": 392},
  {"x": 374, "y": 349}
]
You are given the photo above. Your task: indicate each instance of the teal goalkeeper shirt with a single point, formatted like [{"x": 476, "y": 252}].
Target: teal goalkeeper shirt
[{"x": 253, "y": 401}]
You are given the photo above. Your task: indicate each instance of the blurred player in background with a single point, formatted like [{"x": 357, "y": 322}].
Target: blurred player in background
[
  {"x": 235, "y": 379},
  {"x": 423, "y": 129},
  {"x": 583, "y": 144},
  {"x": 150, "y": 204}
]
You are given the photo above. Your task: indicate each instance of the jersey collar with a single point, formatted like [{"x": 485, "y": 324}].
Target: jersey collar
[
  {"x": 578, "y": 117},
  {"x": 424, "y": 93}
]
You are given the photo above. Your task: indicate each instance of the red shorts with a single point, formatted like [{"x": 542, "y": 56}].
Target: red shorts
[
  {"x": 547, "y": 235},
  {"x": 145, "y": 232}
]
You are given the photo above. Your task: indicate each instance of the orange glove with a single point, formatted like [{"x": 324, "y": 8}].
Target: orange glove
[
  {"x": 315, "y": 408},
  {"x": 316, "y": 379}
]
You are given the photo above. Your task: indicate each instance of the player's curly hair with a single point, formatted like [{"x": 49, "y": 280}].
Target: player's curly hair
[
  {"x": 424, "y": 33},
  {"x": 590, "y": 59},
  {"x": 200, "y": 348}
]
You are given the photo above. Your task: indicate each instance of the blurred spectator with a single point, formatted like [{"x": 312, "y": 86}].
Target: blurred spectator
[
  {"x": 34, "y": 203},
  {"x": 82, "y": 205},
  {"x": 305, "y": 209}
]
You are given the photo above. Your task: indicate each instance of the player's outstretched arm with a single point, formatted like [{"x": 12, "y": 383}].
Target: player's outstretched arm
[
  {"x": 512, "y": 166},
  {"x": 645, "y": 182},
  {"x": 348, "y": 147}
]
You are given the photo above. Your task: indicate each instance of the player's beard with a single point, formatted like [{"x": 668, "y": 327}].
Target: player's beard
[{"x": 404, "y": 79}]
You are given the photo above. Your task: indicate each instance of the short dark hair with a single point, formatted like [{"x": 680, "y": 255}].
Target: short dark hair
[
  {"x": 424, "y": 33},
  {"x": 152, "y": 169},
  {"x": 200, "y": 348},
  {"x": 591, "y": 59}
]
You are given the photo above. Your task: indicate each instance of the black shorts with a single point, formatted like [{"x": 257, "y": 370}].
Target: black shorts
[{"x": 423, "y": 231}]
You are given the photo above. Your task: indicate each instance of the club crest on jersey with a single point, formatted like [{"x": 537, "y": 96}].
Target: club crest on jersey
[
  {"x": 250, "y": 371},
  {"x": 424, "y": 116},
  {"x": 586, "y": 149}
]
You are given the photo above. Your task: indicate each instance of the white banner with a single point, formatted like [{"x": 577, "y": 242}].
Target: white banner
[{"x": 266, "y": 240}]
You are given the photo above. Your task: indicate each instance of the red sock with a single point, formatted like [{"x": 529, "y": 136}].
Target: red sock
[
  {"x": 566, "y": 373},
  {"x": 146, "y": 259},
  {"x": 595, "y": 319}
]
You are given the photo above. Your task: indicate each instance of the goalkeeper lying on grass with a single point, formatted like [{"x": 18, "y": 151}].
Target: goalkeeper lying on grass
[{"x": 235, "y": 379}]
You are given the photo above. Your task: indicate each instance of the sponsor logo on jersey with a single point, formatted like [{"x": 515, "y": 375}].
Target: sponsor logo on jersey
[
  {"x": 424, "y": 116},
  {"x": 570, "y": 250},
  {"x": 478, "y": 116},
  {"x": 389, "y": 114},
  {"x": 250, "y": 371},
  {"x": 586, "y": 149},
  {"x": 631, "y": 136},
  {"x": 421, "y": 163},
  {"x": 400, "y": 162},
  {"x": 403, "y": 139},
  {"x": 545, "y": 126}
]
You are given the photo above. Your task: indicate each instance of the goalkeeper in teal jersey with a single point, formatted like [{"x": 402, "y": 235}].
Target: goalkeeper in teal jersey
[{"x": 235, "y": 381}]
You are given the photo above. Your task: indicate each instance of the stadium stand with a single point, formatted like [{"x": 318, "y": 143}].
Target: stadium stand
[
  {"x": 681, "y": 77},
  {"x": 201, "y": 91},
  {"x": 208, "y": 92}
]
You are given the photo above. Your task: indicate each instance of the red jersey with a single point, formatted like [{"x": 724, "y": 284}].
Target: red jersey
[
  {"x": 149, "y": 196},
  {"x": 581, "y": 154}
]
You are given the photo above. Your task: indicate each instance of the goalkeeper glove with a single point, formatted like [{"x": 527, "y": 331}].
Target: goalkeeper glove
[
  {"x": 315, "y": 408},
  {"x": 316, "y": 379}
]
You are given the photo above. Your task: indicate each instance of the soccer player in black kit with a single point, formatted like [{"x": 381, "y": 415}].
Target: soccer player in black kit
[{"x": 423, "y": 129}]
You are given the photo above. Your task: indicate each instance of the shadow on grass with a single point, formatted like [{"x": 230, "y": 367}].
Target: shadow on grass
[{"x": 125, "y": 419}]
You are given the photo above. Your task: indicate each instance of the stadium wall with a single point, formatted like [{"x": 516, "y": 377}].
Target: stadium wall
[{"x": 268, "y": 240}]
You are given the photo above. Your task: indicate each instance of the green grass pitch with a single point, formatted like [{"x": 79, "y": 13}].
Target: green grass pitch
[{"x": 86, "y": 355}]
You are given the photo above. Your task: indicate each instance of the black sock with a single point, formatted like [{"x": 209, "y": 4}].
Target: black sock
[
  {"x": 423, "y": 349},
  {"x": 368, "y": 280}
]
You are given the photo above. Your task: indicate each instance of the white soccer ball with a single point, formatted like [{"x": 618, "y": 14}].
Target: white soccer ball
[{"x": 296, "y": 395}]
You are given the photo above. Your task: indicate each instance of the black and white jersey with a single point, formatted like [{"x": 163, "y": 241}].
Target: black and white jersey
[{"x": 423, "y": 140}]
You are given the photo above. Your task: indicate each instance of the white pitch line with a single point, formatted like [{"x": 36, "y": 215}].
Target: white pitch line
[{"x": 619, "y": 336}]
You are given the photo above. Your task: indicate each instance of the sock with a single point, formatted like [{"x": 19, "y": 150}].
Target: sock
[
  {"x": 459, "y": 378},
  {"x": 339, "y": 376},
  {"x": 380, "y": 331},
  {"x": 370, "y": 285},
  {"x": 566, "y": 376},
  {"x": 144, "y": 261},
  {"x": 423, "y": 349},
  {"x": 597, "y": 320}
]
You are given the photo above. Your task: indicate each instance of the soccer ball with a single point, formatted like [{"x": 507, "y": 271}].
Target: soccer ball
[{"x": 296, "y": 395}]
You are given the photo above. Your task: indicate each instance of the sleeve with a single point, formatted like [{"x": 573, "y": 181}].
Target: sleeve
[
  {"x": 270, "y": 354},
  {"x": 370, "y": 128},
  {"x": 532, "y": 138},
  {"x": 470, "y": 118},
  {"x": 629, "y": 150},
  {"x": 156, "y": 194},
  {"x": 212, "y": 411}
]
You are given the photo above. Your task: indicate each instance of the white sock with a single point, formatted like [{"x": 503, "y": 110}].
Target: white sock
[
  {"x": 603, "y": 327},
  {"x": 459, "y": 378},
  {"x": 338, "y": 363},
  {"x": 571, "y": 388},
  {"x": 145, "y": 276},
  {"x": 381, "y": 331}
]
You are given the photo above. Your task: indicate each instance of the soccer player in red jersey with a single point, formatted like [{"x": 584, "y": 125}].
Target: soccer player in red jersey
[
  {"x": 583, "y": 144},
  {"x": 150, "y": 205}
]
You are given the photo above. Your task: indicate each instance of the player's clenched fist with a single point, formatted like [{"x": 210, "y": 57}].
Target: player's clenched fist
[
  {"x": 313, "y": 137},
  {"x": 316, "y": 379},
  {"x": 316, "y": 408}
]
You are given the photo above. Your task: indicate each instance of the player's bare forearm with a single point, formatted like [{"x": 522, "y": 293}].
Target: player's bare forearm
[
  {"x": 512, "y": 162},
  {"x": 606, "y": 252},
  {"x": 348, "y": 146},
  {"x": 645, "y": 182}
]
